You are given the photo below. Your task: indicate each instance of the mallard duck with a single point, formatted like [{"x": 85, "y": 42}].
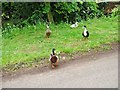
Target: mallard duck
[
  {"x": 48, "y": 32},
  {"x": 74, "y": 25},
  {"x": 85, "y": 32},
  {"x": 53, "y": 58}
]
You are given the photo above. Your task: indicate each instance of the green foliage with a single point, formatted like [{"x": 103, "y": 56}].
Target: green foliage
[
  {"x": 63, "y": 10},
  {"x": 46, "y": 9},
  {"x": 64, "y": 7},
  {"x": 16, "y": 12},
  {"x": 76, "y": 11},
  {"x": 20, "y": 13},
  {"x": 116, "y": 11}
]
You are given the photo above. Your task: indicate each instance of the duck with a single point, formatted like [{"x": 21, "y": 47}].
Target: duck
[
  {"x": 85, "y": 32},
  {"x": 53, "y": 58},
  {"x": 48, "y": 32},
  {"x": 74, "y": 25}
]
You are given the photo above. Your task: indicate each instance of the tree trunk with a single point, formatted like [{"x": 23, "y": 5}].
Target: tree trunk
[{"x": 49, "y": 13}]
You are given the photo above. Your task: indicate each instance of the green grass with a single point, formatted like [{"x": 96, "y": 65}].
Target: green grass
[{"x": 29, "y": 44}]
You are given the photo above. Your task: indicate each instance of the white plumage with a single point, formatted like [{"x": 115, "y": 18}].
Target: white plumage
[
  {"x": 74, "y": 25},
  {"x": 85, "y": 32}
]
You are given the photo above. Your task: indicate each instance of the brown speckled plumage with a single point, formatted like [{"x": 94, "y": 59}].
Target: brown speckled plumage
[
  {"x": 53, "y": 59},
  {"x": 48, "y": 32}
]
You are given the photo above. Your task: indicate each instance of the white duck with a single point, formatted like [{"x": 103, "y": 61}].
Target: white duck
[{"x": 74, "y": 25}]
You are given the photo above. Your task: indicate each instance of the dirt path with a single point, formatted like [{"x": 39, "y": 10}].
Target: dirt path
[{"x": 93, "y": 71}]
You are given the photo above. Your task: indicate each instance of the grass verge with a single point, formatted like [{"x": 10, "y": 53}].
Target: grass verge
[{"x": 27, "y": 46}]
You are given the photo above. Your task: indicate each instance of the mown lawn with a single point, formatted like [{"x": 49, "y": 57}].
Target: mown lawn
[{"x": 29, "y": 43}]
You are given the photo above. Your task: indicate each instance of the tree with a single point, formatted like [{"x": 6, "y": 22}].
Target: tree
[{"x": 48, "y": 11}]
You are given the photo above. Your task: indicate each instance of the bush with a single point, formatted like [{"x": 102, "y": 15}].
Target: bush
[
  {"x": 20, "y": 13},
  {"x": 116, "y": 11}
]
